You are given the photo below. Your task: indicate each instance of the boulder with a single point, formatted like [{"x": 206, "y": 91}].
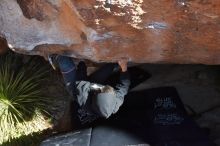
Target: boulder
[{"x": 142, "y": 31}]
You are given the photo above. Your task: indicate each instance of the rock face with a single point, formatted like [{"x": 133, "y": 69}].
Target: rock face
[{"x": 143, "y": 31}]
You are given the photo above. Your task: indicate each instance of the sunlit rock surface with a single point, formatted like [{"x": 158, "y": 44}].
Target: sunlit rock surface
[{"x": 143, "y": 31}]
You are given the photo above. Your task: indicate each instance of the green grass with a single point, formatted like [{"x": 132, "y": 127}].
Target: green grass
[{"x": 22, "y": 105}]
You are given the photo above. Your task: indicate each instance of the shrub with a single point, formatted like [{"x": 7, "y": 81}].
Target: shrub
[{"x": 22, "y": 106}]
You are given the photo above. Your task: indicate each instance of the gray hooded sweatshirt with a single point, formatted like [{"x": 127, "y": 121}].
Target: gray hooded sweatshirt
[{"x": 103, "y": 105}]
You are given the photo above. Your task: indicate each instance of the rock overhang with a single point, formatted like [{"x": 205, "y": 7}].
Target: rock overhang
[{"x": 143, "y": 31}]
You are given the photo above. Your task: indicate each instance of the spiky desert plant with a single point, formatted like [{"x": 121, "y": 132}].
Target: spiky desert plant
[{"x": 21, "y": 101}]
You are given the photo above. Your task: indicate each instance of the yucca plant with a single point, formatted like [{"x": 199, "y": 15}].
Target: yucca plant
[{"x": 22, "y": 106}]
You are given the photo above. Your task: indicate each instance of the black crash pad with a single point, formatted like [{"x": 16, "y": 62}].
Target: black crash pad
[{"x": 155, "y": 116}]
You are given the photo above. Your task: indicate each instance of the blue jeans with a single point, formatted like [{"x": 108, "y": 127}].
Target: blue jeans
[{"x": 71, "y": 74}]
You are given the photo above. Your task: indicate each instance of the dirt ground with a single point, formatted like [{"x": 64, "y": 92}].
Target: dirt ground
[{"x": 198, "y": 87}]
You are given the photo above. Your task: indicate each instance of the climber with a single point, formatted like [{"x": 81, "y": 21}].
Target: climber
[{"x": 93, "y": 99}]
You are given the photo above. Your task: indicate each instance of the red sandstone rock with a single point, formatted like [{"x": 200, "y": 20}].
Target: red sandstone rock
[{"x": 151, "y": 31}]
